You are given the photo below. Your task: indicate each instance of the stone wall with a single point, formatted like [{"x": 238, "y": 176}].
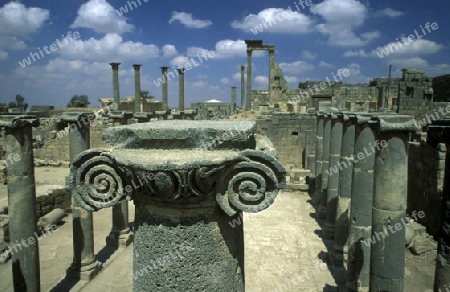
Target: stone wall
[
  {"x": 426, "y": 167},
  {"x": 441, "y": 88},
  {"x": 287, "y": 133}
]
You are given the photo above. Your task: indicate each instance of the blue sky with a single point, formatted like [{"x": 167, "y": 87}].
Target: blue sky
[{"x": 312, "y": 42}]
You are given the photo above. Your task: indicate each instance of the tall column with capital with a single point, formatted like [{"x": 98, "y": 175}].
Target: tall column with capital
[
  {"x": 271, "y": 65},
  {"x": 84, "y": 265},
  {"x": 115, "y": 75},
  {"x": 181, "y": 89},
  {"x": 187, "y": 198},
  {"x": 22, "y": 201},
  {"x": 249, "y": 78},
  {"x": 242, "y": 86},
  {"x": 137, "y": 88},
  {"x": 165, "y": 89}
]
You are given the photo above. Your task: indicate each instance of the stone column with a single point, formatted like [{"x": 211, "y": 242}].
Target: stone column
[
  {"x": 387, "y": 269},
  {"x": 319, "y": 153},
  {"x": 242, "y": 86},
  {"x": 84, "y": 265},
  {"x": 345, "y": 188},
  {"x": 271, "y": 66},
  {"x": 115, "y": 75},
  {"x": 325, "y": 166},
  {"x": 333, "y": 179},
  {"x": 120, "y": 235},
  {"x": 165, "y": 89},
  {"x": 22, "y": 201},
  {"x": 309, "y": 156},
  {"x": 181, "y": 89},
  {"x": 137, "y": 88},
  {"x": 249, "y": 79},
  {"x": 188, "y": 199},
  {"x": 233, "y": 99},
  {"x": 358, "y": 265},
  {"x": 439, "y": 132}
]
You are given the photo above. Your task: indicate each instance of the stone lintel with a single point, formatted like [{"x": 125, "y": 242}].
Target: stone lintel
[
  {"x": 76, "y": 117},
  {"x": 395, "y": 123},
  {"x": 18, "y": 121}
]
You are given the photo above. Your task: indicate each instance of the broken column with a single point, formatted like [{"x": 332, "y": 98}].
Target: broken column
[
  {"x": 249, "y": 78},
  {"x": 319, "y": 153},
  {"x": 325, "y": 165},
  {"x": 345, "y": 187},
  {"x": 165, "y": 89},
  {"x": 137, "y": 88},
  {"x": 242, "y": 86},
  {"x": 181, "y": 89},
  {"x": 271, "y": 66},
  {"x": 233, "y": 99},
  {"x": 358, "y": 265},
  {"x": 22, "y": 201},
  {"x": 115, "y": 75},
  {"x": 186, "y": 197},
  {"x": 333, "y": 176},
  {"x": 439, "y": 132},
  {"x": 387, "y": 269},
  {"x": 121, "y": 235},
  {"x": 84, "y": 265}
]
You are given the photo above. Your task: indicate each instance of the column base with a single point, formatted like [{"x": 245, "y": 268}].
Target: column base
[
  {"x": 120, "y": 239},
  {"x": 328, "y": 231},
  {"x": 85, "y": 272},
  {"x": 322, "y": 213}
]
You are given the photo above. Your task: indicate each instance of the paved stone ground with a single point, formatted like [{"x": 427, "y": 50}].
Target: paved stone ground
[{"x": 282, "y": 244}]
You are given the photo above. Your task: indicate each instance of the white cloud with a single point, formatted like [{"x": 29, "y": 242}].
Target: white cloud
[
  {"x": 324, "y": 64},
  {"x": 188, "y": 20},
  {"x": 200, "y": 83},
  {"x": 261, "y": 80},
  {"x": 108, "y": 48},
  {"x": 296, "y": 67},
  {"x": 291, "y": 79},
  {"x": 357, "y": 53},
  {"x": 308, "y": 55},
  {"x": 179, "y": 61},
  {"x": 195, "y": 51},
  {"x": 356, "y": 76},
  {"x": 17, "y": 22},
  {"x": 275, "y": 20},
  {"x": 391, "y": 12},
  {"x": 418, "y": 47},
  {"x": 237, "y": 76},
  {"x": 225, "y": 81},
  {"x": 100, "y": 16},
  {"x": 169, "y": 51},
  {"x": 341, "y": 18},
  {"x": 229, "y": 48}
]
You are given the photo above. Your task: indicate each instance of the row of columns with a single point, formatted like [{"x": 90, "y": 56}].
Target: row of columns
[{"x": 360, "y": 180}]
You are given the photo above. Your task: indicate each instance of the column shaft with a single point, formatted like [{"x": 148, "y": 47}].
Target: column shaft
[
  {"x": 333, "y": 179},
  {"x": 242, "y": 86},
  {"x": 137, "y": 88},
  {"x": 249, "y": 78},
  {"x": 22, "y": 209},
  {"x": 325, "y": 166},
  {"x": 165, "y": 89},
  {"x": 115, "y": 76},
  {"x": 233, "y": 99},
  {"x": 181, "y": 90},
  {"x": 345, "y": 188},
  {"x": 319, "y": 153},
  {"x": 361, "y": 210},
  {"x": 309, "y": 151}
]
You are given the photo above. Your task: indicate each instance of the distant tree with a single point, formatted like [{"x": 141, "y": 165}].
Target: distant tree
[
  {"x": 79, "y": 101},
  {"x": 11, "y": 104},
  {"x": 146, "y": 95}
]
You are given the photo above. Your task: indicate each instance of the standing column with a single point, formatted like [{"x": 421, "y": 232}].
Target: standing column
[
  {"x": 84, "y": 265},
  {"x": 387, "y": 269},
  {"x": 249, "y": 78},
  {"x": 319, "y": 153},
  {"x": 115, "y": 75},
  {"x": 358, "y": 266},
  {"x": 181, "y": 89},
  {"x": 22, "y": 201},
  {"x": 345, "y": 188},
  {"x": 137, "y": 88},
  {"x": 271, "y": 66},
  {"x": 325, "y": 165},
  {"x": 439, "y": 132},
  {"x": 309, "y": 156},
  {"x": 333, "y": 179},
  {"x": 233, "y": 99},
  {"x": 242, "y": 86},
  {"x": 165, "y": 89}
]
